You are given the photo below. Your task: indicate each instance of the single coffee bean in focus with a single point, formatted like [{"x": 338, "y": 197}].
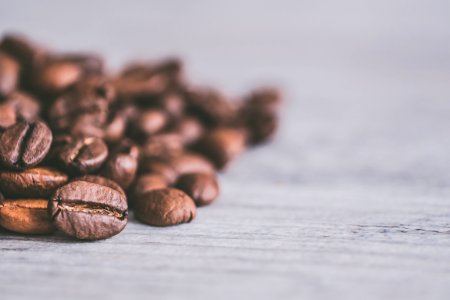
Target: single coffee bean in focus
[
  {"x": 164, "y": 207},
  {"x": 88, "y": 211}
]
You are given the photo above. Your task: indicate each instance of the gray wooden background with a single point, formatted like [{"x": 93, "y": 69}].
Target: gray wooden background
[{"x": 351, "y": 200}]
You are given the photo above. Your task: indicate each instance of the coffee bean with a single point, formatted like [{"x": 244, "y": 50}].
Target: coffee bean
[
  {"x": 149, "y": 122},
  {"x": 165, "y": 207},
  {"x": 191, "y": 163},
  {"x": 55, "y": 76},
  {"x": 27, "y": 216},
  {"x": 202, "y": 188},
  {"x": 38, "y": 182},
  {"x": 267, "y": 98},
  {"x": 9, "y": 75},
  {"x": 8, "y": 116},
  {"x": 90, "y": 64},
  {"x": 189, "y": 129},
  {"x": 83, "y": 155},
  {"x": 148, "y": 182},
  {"x": 122, "y": 165},
  {"x": 159, "y": 167},
  {"x": 24, "y": 145},
  {"x": 26, "y": 107},
  {"x": 162, "y": 145},
  {"x": 26, "y": 53},
  {"x": 88, "y": 211},
  {"x": 261, "y": 124},
  {"x": 222, "y": 145},
  {"x": 211, "y": 106}
]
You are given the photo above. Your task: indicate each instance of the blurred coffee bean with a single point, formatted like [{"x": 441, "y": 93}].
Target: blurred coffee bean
[
  {"x": 189, "y": 129},
  {"x": 149, "y": 122},
  {"x": 24, "y": 145},
  {"x": 88, "y": 211},
  {"x": 222, "y": 145},
  {"x": 39, "y": 182},
  {"x": 191, "y": 163},
  {"x": 164, "y": 207},
  {"x": 83, "y": 155},
  {"x": 173, "y": 103},
  {"x": 27, "y": 108},
  {"x": 122, "y": 164},
  {"x": 261, "y": 124},
  {"x": 268, "y": 98},
  {"x": 9, "y": 75},
  {"x": 202, "y": 188},
  {"x": 160, "y": 167},
  {"x": 8, "y": 116},
  {"x": 162, "y": 145},
  {"x": 27, "y": 216},
  {"x": 26, "y": 53},
  {"x": 145, "y": 183},
  {"x": 89, "y": 63},
  {"x": 53, "y": 77},
  {"x": 211, "y": 106},
  {"x": 115, "y": 127}
]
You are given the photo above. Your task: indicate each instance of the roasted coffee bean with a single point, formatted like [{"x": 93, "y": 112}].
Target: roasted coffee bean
[
  {"x": 55, "y": 76},
  {"x": 222, "y": 145},
  {"x": 26, "y": 53},
  {"x": 202, "y": 188},
  {"x": 39, "y": 182},
  {"x": 148, "y": 182},
  {"x": 189, "y": 129},
  {"x": 268, "y": 98},
  {"x": 211, "y": 106},
  {"x": 83, "y": 155},
  {"x": 115, "y": 127},
  {"x": 8, "y": 116},
  {"x": 191, "y": 163},
  {"x": 173, "y": 104},
  {"x": 24, "y": 145},
  {"x": 122, "y": 164},
  {"x": 27, "y": 216},
  {"x": 88, "y": 211},
  {"x": 27, "y": 108},
  {"x": 261, "y": 124},
  {"x": 162, "y": 145},
  {"x": 159, "y": 167},
  {"x": 149, "y": 122},
  {"x": 90, "y": 64},
  {"x": 165, "y": 207},
  {"x": 9, "y": 75},
  {"x": 82, "y": 100}
]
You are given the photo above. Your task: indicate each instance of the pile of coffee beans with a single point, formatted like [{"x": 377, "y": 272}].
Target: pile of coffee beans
[{"x": 80, "y": 146}]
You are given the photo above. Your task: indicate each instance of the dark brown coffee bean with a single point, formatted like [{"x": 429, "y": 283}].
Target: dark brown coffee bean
[
  {"x": 122, "y": 164},
  {"x": 102, "y": 181},
  {"x": 267, "y": 98},
  {"x": 211, "y": 106},
  {"x": 83, "y": 155},
  {"x": 82, "y": 101},
  {"x": 37, "y": 182},
  {"x": 173, "y": 103},
  {"x": 9, "y": 75},
  {"x": 27, "y": 216},
  {"x": 88, "y": 211},
  {"x": 165, "y": 207},
  {"x": 8, "y": 116},
  {"x": 26, "y": 53},
  {"x": 189, "y": 129},
  {"x": 55, "y": 76},
  {"x": 191, "y": 163},
  {"x": 260, "y": 123},
  {"x": 89, "y": 63},
  {"x": 202, "y": 188},
  {"x": 162, "y": 145},
  {"x": 115, "y": 127},
  {"x": 27, "y": 108},
  {"x": 159, "y": 167},
  {"x": 222, "y": 145},
  {"x": 145, "y": 183},
  {"x": 24, "y": 145}
]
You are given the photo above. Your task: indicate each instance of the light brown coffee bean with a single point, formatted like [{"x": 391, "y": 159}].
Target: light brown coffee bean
[
  {"x": 37, "y": 182},
  {"x": 27, "y": 216},
  {"x": 165, "y": 207},
  {"x": 56, "y": 76},
  {"x": 191, "y": 163},
  {"x": 9, "y": 75}
]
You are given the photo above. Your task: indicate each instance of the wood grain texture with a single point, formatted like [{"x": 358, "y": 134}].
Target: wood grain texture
[{"x": 350, "y": 201}]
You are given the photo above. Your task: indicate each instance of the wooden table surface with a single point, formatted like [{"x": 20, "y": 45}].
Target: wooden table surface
[{"x": 350, "y": 201}]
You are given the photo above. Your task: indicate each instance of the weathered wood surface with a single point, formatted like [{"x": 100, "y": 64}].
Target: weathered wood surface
[{"x": 351, "y": 201}]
